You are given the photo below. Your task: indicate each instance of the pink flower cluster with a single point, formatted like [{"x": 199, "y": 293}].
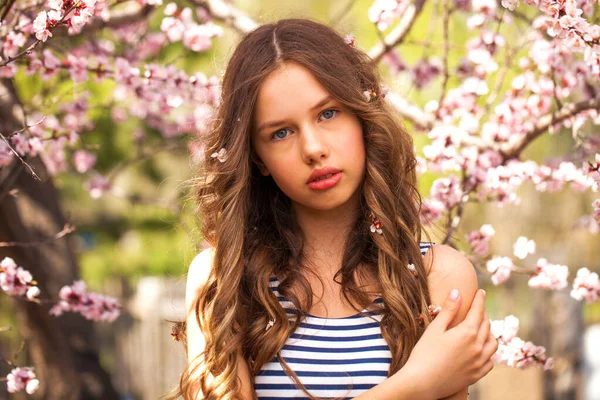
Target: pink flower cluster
[
  {"x": 22, "y": 378},
  {"x": 384, "y": 12},
  {"x": 549, "y": 276},
  {"x": 479, "y": 239},
  {"x": 500, "y": 268},
  {"x": 586, "y": 286},
  {"x": 78, "y": 14},
  {"x": 513, "y": 351},
  {"x": 92, "y": 306},
  {"x": 179, "y": 25},
  {"x": 523, "y": 247},
  {"x": 16, "y": 281}
]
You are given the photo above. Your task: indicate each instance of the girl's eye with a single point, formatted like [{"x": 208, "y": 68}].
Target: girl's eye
[
  {"x": 329, "y": 114},
  {"x": 277, "y": 135}
]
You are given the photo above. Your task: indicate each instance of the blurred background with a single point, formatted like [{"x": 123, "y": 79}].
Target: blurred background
[{"x": 136, "y": 241}]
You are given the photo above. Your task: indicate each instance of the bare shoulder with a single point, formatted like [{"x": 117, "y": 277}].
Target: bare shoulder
[
  {"x": 198, "y": 273},
  {"x": 450, "y": 269}
]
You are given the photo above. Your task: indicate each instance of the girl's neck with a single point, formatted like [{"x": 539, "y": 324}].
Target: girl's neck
[{"x": 325, "y": 233}]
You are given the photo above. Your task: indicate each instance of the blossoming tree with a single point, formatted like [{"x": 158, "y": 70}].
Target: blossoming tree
[{"x": 491, "y": 105}]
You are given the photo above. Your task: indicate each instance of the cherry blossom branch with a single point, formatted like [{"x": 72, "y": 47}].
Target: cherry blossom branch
[
  {"x": 224, "y": 12},
  {"x": 117, "y": 20},
  {"x": 35, "y": 176},
  {"x": 65, "y": 231},
  {"x": 544, "y": 122},
  {"x": 6, "y": 10},
  {"x": 411, "y": 111},
  {"x": 37, "y": 41},
  {"x": 399, "y": 33}
]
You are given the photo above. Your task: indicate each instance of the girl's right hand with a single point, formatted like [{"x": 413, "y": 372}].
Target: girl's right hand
[{"x": 447, "y": 359}]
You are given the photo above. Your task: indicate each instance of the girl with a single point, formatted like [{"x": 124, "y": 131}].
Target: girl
[{"x": 315, "y": 284}]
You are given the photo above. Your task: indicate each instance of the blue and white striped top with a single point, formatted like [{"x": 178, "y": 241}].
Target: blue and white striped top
[{"x": 332, "y": 357}]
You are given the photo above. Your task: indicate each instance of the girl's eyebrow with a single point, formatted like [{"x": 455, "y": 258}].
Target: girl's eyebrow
[{"x": 272, "y": 124}]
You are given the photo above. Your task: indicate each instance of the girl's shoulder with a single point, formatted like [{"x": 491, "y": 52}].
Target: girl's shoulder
[
  {"x": 198, "y": 272},
  {"x": 449, "y": 269}
]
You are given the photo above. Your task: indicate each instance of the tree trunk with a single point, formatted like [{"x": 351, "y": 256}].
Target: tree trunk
[{"x": 61, "y": 349}]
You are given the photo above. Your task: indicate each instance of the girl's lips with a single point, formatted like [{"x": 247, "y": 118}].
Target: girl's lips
[{"x": 326, "y": 183}]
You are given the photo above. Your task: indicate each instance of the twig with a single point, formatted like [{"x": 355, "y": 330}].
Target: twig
[
  {"x": 65, "y": 231},
  {"x": 36, "y": 42},
  {"x": 399, "y": 33},
  {"x": 225, "y": 12},
  {"x": 5, "y": 12},
  {"x": 455, "y": 222},
  {"x": 568, "y": 111},
  {"x": 19, "y": 157},
  {"x": 5, "y": 328}
]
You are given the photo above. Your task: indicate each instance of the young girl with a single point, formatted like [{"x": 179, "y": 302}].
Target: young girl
[{"x": 316, "y": 283}]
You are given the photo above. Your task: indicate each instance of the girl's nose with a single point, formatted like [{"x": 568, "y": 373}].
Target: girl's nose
[{"x": 313, "y": 144}]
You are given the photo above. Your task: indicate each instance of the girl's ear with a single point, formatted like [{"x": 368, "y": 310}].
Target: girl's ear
[{"x": 261, "y": 166}]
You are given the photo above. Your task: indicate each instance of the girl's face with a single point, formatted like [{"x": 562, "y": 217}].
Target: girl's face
[{"x": 300, "y": 128}]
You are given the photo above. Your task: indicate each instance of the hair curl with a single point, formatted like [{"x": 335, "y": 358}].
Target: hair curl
[{"x": 248, "y": 221}]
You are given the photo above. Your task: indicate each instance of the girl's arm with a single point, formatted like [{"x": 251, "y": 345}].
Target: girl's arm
[
  {"x": 450, "y": 269},
  {"x": 197, "y": 276}
]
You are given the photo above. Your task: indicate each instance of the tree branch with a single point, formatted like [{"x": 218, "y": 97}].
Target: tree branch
[
  {"x": 411, "y": 111},
  {"x": 224, "y": 12},
  {"x": 569, "y": 110},
  {"x": 65, "y": 231},
  {"x": 399, "y": 33}
]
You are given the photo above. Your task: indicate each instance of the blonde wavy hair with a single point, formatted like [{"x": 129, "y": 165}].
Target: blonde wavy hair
[{"x": 247, "y": 219}]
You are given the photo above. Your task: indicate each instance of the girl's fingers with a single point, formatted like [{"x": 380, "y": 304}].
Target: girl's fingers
[
  {"x": 475, "y": 314},
  {"x": 489, "y": 347},
  {"x": 484, "y": 329}
]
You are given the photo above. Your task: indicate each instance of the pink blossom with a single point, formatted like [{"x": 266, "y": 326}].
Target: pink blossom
[
  {"x": 447, "y": 190},
  {"x": 549, "y": 276},
  {"x": 20, "y": 144},
  {"x": 6, "y": 155},
  {"x": 16, "y": 281},
  {"x": 510, "y": 4},
  {"x": 12, "y": 43},
  {"x": 40, "y": 26},
  {"x": 523, "y": 247},
  {"x": 384, "y": 12},
  {"x": 513, "y": 351},
  {"x": 425, "y": 70},
  {"x": 596, "y": 205},
  {"x": 431, "y": 211},
  {"x": 479, "y": 239},
  {"x": 22, "y": 378},
  {"x": 98, "y": 185},
  {"x": 83, "y": 161},
  {"x": 92, "y": 306},
  {"x": 506, "y": 329},
  {"x": 56, "y": 4},
  {"x": 197, "y": 38},
  {"x": 586, "y": 285},
  {"x": 520, "y": 354},
  {"x": 500, "y": 267}
]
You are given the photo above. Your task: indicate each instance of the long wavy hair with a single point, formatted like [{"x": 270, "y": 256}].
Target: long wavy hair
[{"x": 248, "y": 221}]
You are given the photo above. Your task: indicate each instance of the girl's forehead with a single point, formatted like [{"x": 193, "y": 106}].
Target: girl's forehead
[{"x": 291, "y": 87}]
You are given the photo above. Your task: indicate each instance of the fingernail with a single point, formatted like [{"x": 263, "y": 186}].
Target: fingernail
[
  {"x": 454, "y": 294},
  {"x": 483, "y": 290}
]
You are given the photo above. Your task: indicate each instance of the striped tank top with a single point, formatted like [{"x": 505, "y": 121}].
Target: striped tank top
[{"x": 332, "y": 357}]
